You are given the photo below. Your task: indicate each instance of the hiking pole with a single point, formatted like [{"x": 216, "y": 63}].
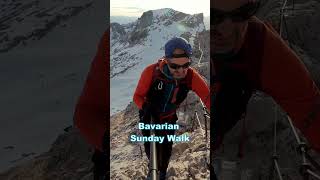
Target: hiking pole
[
  {"x": 153, "y": 151},
  {"x": 313, "y": 174},
  {"x": 197, "y": 117},
  {"x": 204, "y": 134},
  {"x": 302, "y": 147},
  {"x": 313, "y": 162},
  {"x": 205, "y": 115},
  {"x": 275, "y": 156}
]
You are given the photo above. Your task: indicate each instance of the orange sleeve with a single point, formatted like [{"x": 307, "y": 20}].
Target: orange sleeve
[
  {"x": 200, "y": 87},
  {"x": 91, "y": 111},
  {"x": 143, "y": 86},
  {"x": 285, "y": 78}
]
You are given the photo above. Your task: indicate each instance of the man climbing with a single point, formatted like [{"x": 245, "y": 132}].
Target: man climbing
[
  {"x": 91, "y": 112},
  {"x": 160, "y": 90},
  {"x": 248, "y": 54}
]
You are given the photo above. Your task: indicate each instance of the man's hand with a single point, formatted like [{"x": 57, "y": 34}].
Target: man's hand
[{"x": 146, "y": 109}]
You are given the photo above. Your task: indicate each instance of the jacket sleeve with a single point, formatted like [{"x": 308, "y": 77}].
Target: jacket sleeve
[
  {"x": 285, "y": 78},
  {"x": 143, "y": 86},
  {"x": 91, "y": 111},
  {"x": 200, "y": 87}
]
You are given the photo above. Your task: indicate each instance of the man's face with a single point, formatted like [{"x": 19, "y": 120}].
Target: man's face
[
  {"x": 229, "y": 24},
  {"x": 178, "y": 66}
]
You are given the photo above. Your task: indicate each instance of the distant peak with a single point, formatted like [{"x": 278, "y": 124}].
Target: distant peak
[
  {"x": 163, "y": 11},
  {"x": 156, "y": 13}
]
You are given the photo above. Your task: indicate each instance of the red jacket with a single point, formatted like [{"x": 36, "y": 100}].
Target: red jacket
[
  {"x": 91, "y": 112},
  {"x": 199, "y": 86}
]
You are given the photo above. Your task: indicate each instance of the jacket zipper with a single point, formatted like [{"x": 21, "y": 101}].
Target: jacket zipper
[{"x": 164, "y": 108}]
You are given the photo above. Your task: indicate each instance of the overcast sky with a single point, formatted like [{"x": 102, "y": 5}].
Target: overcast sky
[{"x": 137, "y": 7}]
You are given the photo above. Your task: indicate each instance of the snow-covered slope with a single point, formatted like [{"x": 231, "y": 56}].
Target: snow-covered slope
[
  {"x": 207, "y": 22},
  {"x": 41, "y": 80},
  {"x": 24, "y": 21},
  {"x": 140, "y": 43}
]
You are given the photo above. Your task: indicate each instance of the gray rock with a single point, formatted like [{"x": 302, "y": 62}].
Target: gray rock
[{"x": 171, "y": 172}]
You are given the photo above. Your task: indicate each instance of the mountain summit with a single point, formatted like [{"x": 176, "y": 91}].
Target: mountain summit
[{"x": 152, "y": 29}]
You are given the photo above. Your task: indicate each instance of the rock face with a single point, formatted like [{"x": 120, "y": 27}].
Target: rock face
[
  {"x": 145, "y": 20},
  {"x": 202, "y": 45},
  {"x": 68, "y": 158},
  {"x": 193, "y": 21},
  {"x": 117, "y": 30}
]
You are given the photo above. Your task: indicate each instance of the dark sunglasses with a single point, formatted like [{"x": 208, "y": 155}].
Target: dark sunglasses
[
  {"x": 240, "y": 14},
  {"x": 177, "y": 66}
]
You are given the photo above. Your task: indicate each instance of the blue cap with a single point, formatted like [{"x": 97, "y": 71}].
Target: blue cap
[{"x": 177, "y": 43}]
